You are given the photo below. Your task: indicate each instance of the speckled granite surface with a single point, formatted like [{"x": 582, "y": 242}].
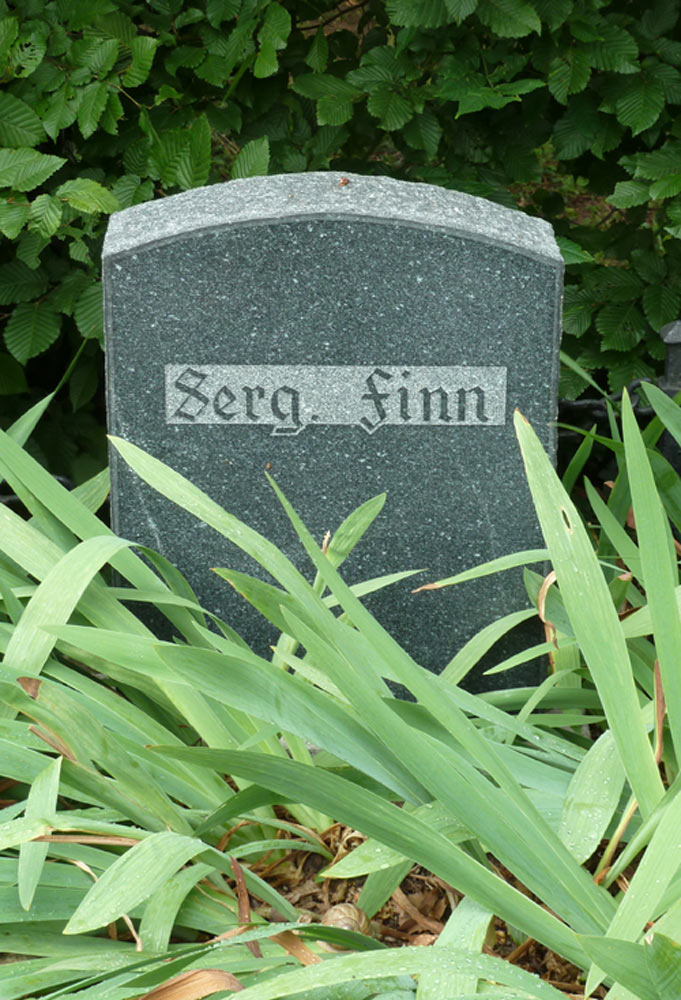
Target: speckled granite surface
[{"x": 351, "y": 338}]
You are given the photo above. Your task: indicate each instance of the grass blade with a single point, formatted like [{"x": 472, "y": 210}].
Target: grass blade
[
  {"x": 40, "y": 804},
  {"x": 441, "y": 963},
  {"x": 133, "y": 878},
  {"x": 54, "y": 601},
  {"x": 21, "y": 429},
  {"x": 466, "y": 929},
  {"x": 593, "y": 616},
  {"x": 592, "y": 798},
  {"x": 658, "y": 561}
]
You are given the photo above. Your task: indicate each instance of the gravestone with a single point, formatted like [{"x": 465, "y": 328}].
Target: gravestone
[{"x": 352, "y": 335}]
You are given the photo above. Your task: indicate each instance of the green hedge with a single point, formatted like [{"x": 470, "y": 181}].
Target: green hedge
[{"x": 568, "y": 108}]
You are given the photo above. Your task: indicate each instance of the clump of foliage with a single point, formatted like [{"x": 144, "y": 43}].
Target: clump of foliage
[
  {"x": 127, "y": 858},
  {"x": 568, "y": 107}
]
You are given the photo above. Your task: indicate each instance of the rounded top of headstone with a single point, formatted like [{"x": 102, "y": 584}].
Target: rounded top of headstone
[{"x": 331, "y": 195}]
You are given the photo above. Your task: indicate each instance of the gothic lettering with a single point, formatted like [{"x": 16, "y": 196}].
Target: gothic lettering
[
  {"x": 189, "y": 382},
  {"x": 292, "y": 414},
  {"x": 480, "y": 414},
  {"x": 224, "y": 398},
  {"x": 251, "y": 391},
  {"x": 285, "y": 399},
  {"x": 427, "y": 395},
  {"x": 375, "y": 397}
]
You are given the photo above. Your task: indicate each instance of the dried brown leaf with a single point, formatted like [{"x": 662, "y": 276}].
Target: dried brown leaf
[{"x": 194, "y": 985}]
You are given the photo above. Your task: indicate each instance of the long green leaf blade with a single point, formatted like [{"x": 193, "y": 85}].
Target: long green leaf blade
[
  {"x": 53, "y": 603},
  {"x": 133, "y": 878},
  {"x": 40, "y": 804},
  {"x": 658, "y": 561},
  {"x": 593, "y": 615}
]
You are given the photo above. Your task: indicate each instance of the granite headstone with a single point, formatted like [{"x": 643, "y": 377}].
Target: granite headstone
[{"x": 352, "y": 335}]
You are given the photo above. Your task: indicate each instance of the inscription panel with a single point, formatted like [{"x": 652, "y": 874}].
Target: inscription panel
[{"x": 291, "y": 397}]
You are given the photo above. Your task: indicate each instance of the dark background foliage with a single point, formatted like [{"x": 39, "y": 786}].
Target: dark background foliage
[{"x": 566, "y": 108}]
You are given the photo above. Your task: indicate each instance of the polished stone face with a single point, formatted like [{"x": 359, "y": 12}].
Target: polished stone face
[{"x": 351, "y": 336}]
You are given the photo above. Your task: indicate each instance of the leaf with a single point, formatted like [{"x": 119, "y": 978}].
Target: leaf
[
  {"x": 460, "y": 9},
  {"x": 89, "y": 313},
  {"x": 334, "y": 111},
  {"x": 418, "y": 13},
  {"x": 577, "y": 130},
  {"x": 168, "y": 150},
  {"x": 509, "y": 18},
  {"x": 572, "y": 253},
  {"x": 30, "y": 246},
  {"x": 142, "y": 48},
  {"x": 594, "y": 618},
  {"x": 194, "y": 985},
  {"x": 660, "y": 163},
  {"x": 379, "y": 65},
  {"x": 353, "y": 528},
  {"x": 663, "y": 959},
  {"x": 9, "y": 29},
  {"x": 19, "y": 283},
  {"x": 18, "y": 831},
  {"x": 272, "y": 37},
  {"x": 183, "y": 55},
  {"x": 658, "y": 562},
  {"x": 666, "y": 187},
  {"x": 129, "y": 190},
  {"x": 568, "y": 74},
  {"x": 92, "y": 103},
  {"x": 31, "y": 329},
  {"x": 113, "y": 112},
  {"x": 659, "y": 19},
  {"x": 424, "y": 132},
  {"x": 19, "y": 124},
  {"x": 61, "y": 113},
  {"x": 592, "y": 798},
  {"x": 629, "y": 193},
  {"x": 13, "y": 216},
  {"x": 467, "y": 928},
  {"x": 193, "y": 167},
  {"x": 444, "y": 963},
  {"x": 641, "y": 104},
  {"x": 41, "y": 804},
  {"x": 266, "y": 63},
  {"x": 132, "y": 878},
  {"x": 253, "y": 160},
  {"x": 45, "y": 215},
  {"x": 661, "y": 304},
  {"x": 53, "y": 602},
  {"x": 103, "y": 58},
  {"x": 616, "y": 51},
  {"x": 87, "y": 196},
  {"x": 30, "y": 50},
  {"x": 276, "y": 26},
  {"x": 649, "y": 266},
  {"x": 554, "y": 13},
  {"x": 25, "y": 169},
  {"x": 318, "y": 53},
  {"x": 67, "y": 292},
  {"x": 621, "y": 326},
  {"x": 624, "y": 962},
  {"x": 392, "y": 108},
  {"x": 218, "y": 11}
]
